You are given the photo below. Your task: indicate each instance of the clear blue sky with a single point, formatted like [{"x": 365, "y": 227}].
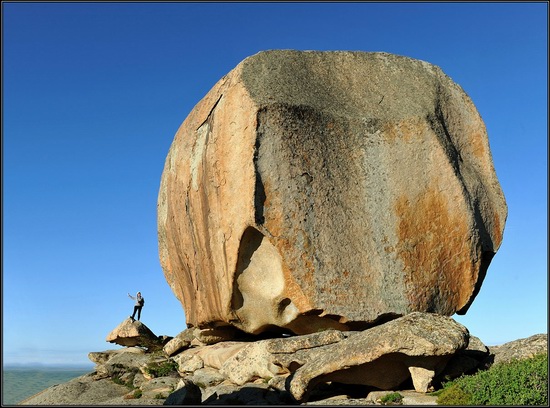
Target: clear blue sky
[{"x": 93, "y": 94}]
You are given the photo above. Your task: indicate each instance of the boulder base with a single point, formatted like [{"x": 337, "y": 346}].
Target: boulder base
[{"x": 417, "y": 346}]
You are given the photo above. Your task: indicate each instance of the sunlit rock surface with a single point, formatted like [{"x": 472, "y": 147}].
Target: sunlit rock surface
[{"x": 313, "y": 190}]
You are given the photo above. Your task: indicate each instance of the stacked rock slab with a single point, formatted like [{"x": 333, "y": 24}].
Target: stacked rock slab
[
  {"x": 132, "y": 333},
  {"x": 311, "y": 190}
]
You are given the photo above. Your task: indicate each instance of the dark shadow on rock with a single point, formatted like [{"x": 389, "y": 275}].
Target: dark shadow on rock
[
  {"x": 190, "y": 394},
  {"x": 251, "y": 395},
  {"x": 325, "y": 390},
  {"x": 488, "y": 362}
]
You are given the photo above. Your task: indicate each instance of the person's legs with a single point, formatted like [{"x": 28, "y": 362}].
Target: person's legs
[
  {"x": 136, "y": 308},
  {"x": 139, "y": 311}
]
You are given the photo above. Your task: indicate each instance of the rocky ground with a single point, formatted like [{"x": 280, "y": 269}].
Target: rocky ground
[{"x": 201, "y": 367}]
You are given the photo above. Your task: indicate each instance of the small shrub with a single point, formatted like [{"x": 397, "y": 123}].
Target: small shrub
[
  {"x": 519, "y": 382},
  {"x": 135, "y": 395},
  {"x": 159, "y": 396},
  {"x": 117, "y": 380},
  {"x": 162, "y": 369},
  {"x": 453, "y": 395},
  {"x": 393, "y": 398}
]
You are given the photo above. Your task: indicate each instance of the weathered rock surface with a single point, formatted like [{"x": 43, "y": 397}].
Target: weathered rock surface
[
  {"x": 179, "y": 343},
  {"x": 134, "y": 376},
  {"x": 269, "y": 358},
  {"x": 519, "y": 349},
  {"x": 119, "y": 362},
  {"x": 132, "y": 333},
  {"x": 328, "y": 177},
  {"x": 418, "y": 345}
]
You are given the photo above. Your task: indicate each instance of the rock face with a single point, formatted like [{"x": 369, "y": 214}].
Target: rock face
[
  {"x": 314, "y": 190},
  {"x": 519, "y": 349}
]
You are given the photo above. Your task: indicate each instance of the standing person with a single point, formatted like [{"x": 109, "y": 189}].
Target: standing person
[{"x": 139, "y": 304}]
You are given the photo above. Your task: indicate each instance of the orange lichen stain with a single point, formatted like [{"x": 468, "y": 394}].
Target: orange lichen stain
[
  {"x": 404, "y": 130},
  {"x": 477, "y": 144},
  {"x": 294, "y": 292},
  {"x": 435, "y": 248}
]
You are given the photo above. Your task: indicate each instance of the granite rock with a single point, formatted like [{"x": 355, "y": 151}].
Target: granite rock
[{"x": 328, "y": 176}]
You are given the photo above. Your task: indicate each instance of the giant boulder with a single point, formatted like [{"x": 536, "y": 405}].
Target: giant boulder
[{"x": 311, "y": 190}]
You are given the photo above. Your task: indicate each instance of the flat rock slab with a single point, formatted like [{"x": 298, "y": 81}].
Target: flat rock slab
[
  {"x": 417, "y": 345},
  {"x": 131, "y": 333}
]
